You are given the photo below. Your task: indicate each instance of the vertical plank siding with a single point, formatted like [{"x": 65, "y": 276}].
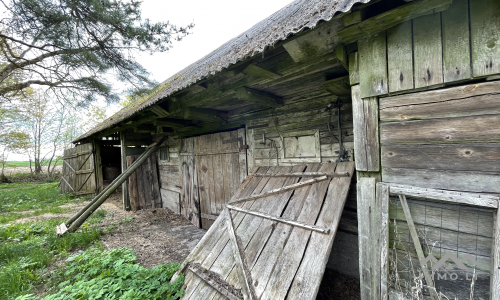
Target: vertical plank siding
[
  {"x": 79, "y": 171},
  {"x": 400, "y": 57},
  {"x": 373, "y": 65},
  {"x": 143, "y": 188}
]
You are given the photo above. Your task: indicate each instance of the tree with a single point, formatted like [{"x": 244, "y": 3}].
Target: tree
[
  {"x": 70, "y": 47},
  {"x": 13, "y": 141}
]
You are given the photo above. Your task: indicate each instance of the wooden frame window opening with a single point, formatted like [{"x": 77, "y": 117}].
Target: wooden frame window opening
[{"x": 164, "y": 153}]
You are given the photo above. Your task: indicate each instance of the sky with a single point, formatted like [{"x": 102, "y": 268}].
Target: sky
[{"x": 216, "y": 22}]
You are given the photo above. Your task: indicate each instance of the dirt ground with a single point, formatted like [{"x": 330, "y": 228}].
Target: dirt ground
[{"x": 159, "y": 235}]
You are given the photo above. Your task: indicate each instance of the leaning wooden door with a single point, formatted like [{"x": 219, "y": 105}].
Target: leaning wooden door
[
  {"x": 221, "y": 167},
  {"x": 190, "y": 201},
  {"x": 78, "y": 171},
  {"x": 143, "y": 187}
]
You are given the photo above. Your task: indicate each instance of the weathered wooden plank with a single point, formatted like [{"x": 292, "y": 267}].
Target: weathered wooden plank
[
  {"x": 214, "y": 283},
  {"x": 353, "y": 68},
  {"x": 456, "y": 41},
  {"x": 459, "y": 92},
  {"x": 133, "y": 192},
  {"x": 171, "y": 200},
  {"x": 447, "y": 130},
  {"x": 418, "y": 248},
  {"x": 366, "y": 144},
  {"x": 305, "y": 284},
  {"x": 242, "y": 156},
  {"x": 495, "y": 268},
  {"x": 141, "y": 189},
  {"x": 478, "y": 105},
  {"x": 485, "y": 35},
  {"x": 373, "y": 65},
  {"x": 366, "y": 198},
  {"x": 123, "y": 150},
  {"x": 155, "y": 182},
  {"x": 400, "y": 57},
  {"x": 428, "y": 51},
  {"x": 383, "y": 200},
  {"x": 447, "y": 180},
  {"x": 306, "y": 174},
  {"x": 190, "y": 201},
  {"x": 459, "y": 157}
]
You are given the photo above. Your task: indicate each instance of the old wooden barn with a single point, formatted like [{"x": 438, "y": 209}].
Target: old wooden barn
[{"x": 361, "y": 136}]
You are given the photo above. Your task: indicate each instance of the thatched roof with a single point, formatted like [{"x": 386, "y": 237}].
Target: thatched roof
[{"x": 294, "y": 18}]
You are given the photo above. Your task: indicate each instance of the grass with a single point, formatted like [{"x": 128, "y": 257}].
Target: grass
[
  {"x": 16, "y": 164},
  {"x": 27, "y": 249},
  {"x": 31, "y": 197}
]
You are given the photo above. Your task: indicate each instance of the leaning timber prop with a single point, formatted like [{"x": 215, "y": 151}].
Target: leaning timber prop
[{"x": 77, "y": 220}]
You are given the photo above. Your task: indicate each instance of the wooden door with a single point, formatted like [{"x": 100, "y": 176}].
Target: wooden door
[
  {"x": 143, "y": 187},
  {"x": 78, "y": 171},
  {"x": 221, "y": 167},
  {"x": 190, "y": 201}
]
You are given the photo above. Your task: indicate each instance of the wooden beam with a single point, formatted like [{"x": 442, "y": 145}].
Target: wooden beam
[
  {"x": 145, "y": 129},
  {"x": 353, "y": 68},
  {"x": 338, "y": 86},
  {"x": 392, "y": 18},
  {"x": 206, "y": 128},
  {"x": 482, "y": 200},
  {"x": 304, "y": 174},
  {"x": 281, "y": 220},
  {"x": 354, "y": 17},
  {"x": 159, "y": 111},
  {"x": 123, "y": 150},
  {"x": 255, "y": 96},
  {"x": 281, "y": 190},
  {"x": 172, "y": 123},
  {"x": 204, "y": 114},
  {"x": 260, "y": 72},
  {"x": 418, "y": 247},
  {"x": 341, "y": 54}
]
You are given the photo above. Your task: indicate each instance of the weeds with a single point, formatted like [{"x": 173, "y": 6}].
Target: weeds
[
  {"x": 97, "y": 274},
  {"x": 27, "y": 248}
]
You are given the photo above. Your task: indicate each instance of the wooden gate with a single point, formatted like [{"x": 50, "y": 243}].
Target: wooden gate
[
  {"x": 78, "y": 171},
  {"x": 273, "y": 239},
  {"x": 190, "y": 200},
  {"x": 143, "y": 187},
  {"x": 221, "y": 166}
]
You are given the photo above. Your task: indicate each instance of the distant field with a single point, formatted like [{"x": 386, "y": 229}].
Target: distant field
[{"x": 17, "y": 164}]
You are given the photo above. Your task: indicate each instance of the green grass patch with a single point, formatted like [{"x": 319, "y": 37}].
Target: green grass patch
[
  {"x": 6, "y": 218},
  {"x": 97, "y": 217},
  {"x": 27, "y": 248},
  {"x": 16, "y": 164},
  {"x": 97, "y": 274},
  {"x": 39, "y": 196}
]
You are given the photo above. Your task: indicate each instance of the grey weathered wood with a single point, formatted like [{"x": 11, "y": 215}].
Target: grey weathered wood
[
  {"x": 372, "y": 54},
  {"x": 213, "y": 283},
  {"x": 442, "y": 95},
  {"x": 418, "y": 248},
  {"x": 481, "y": 182},
  {"x": 400, "y": 57},
  {"x": 282, "y": 220},
  {"x": 190, "y": 199},
  {"x": 254, "y": 70},
  {"x": 246, "y": 282},
  {"x": 428, "y": 51},
  {"x": 281, "y": 190},
  {"x": 366, "y": 143},
  {"x": 366, "y": 198},
  {"x": 490, "y": 201},
  {"x": 383, "y": 195},
  {"x": 495, "y": 266},
  {"x": 242, "y": 157},
  {"x": 456, "y": 42},
  {"x": 132, "y": 187},
  {"x": 341, "y": 54},
  {"x": 171, "y": 200},
  {"x": 353, "y": 68},
  {"x": 478, "y": 105},
  {"x": 446, "y": 130},
  {"x": 255, "y": 96},
  {"x": 485, "y": 34},
  {"x": 459, "y": 157},
  {"x": 338, "y": 86},
  {"x": 305, "y": 174}
]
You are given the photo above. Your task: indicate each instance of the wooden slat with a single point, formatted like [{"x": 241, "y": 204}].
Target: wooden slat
[
  {"x": 69, "y": 185},
  {"x": 123, "y": 151},
  {"x": 447, "y": 130},
  {"x": 400, "y": 57},
  {"x": 456, "y": 42},
  {"x": 213, "y": 283},
  {"x": 305, "y": 174},
  {"x": 474, "y": 106},
  {"x": 190, "y": 201},
  {"x": 69, "y": 166},
  {"x": 383, "y": 200},
  {"x": 366, "y": 198},
  {"x": 442, "y": 95},
  {"x": 443, "y": 195},
  {"x": 495, "y": 276},
  {"x": 366, "y": 143},
  {"x": 210, "y": 217},
  {"x": 306, "y": 282},
  {"x": 141, "y": 188},
  {"x": 428, "y": 52},
  {"x": 418, "y": 248},
  {"x": 282, "y": 220},
  {"x": 77, "y": 154},
  {"x": 280, "y": 190},
  {"x": 459, "y": 157},
  {"x": 244, "y": 276},
  {"x": 446, "y": 180},
  {"x": 373, "y": 65},
  {"x": 242, "y": 155},
  {"x": 485, "y": 35}
]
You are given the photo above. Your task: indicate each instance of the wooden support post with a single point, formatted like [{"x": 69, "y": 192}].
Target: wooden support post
[
  {"x": 418, "y": 247},
  {"x": 123, "y": 147},
  {"x": 383, "y": 240},
  {"x": 341, "y": 54}
]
